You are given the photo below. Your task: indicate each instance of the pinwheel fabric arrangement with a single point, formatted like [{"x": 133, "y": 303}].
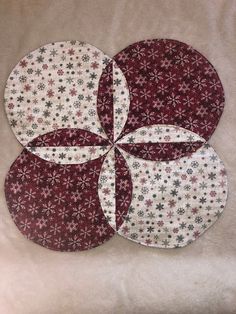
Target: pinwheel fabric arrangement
[{"x": 115, "y": 145}]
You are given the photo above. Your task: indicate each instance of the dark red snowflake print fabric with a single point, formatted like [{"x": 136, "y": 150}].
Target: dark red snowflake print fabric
[
  {"x": 115, "y": 145},
  {"x": 171, "y": 83},
  {"x": 68, "y": 137},
  {"x": 161, "y": 151},
  {"x": 57, "y": 206},
  {"x": 105, "y": 100}
]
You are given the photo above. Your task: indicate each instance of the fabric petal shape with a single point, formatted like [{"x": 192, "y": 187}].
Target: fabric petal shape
[
  {"x": 161, "y": 151},
  {"x": 121, "y": 100},
  {"x": 69, "y": 155},
  {"x": 69, "y": 137},
  {"x": 55, "y": 87},
  {"x": 105, "y": 100},
  {"x": 123, "y": 188},
  {"x": 107, "y": 188},
  {"x": 57, "y": 206},
  {"x": 174, "y": 202},
  {"x": 113, "y": 100},
  {"x": 160, "y": 142},
  {"x": 69, "y": 146},
  {"x": 160, "y": 133},
  {"x": 115, "y": 188},
  {"x": 171, "y": 83}
]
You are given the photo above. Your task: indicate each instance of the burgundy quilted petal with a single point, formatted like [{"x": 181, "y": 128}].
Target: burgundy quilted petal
[
  {"x": 105, "y": 100},
  {"x": 68, "y": 137},
  {"x": 123, "y": 187},
  {"x": 161, "y": 151}
]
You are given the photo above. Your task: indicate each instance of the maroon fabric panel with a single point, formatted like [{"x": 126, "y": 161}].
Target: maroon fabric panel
[
  {"x": 161, "y": 151},
  {"x": 57, "y": 206},
  {"x": 105, "y": 100},
  {"x": 68, "y": 137},
  {"x": 123, "y": 188},
  {"x": 171, "y": 83}
]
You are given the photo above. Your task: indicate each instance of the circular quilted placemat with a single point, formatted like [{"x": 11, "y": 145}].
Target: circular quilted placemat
[
  {"x": 174, "y": 202},
  {"x": 57, "y": 206},
  {"x": 54, "y": 87},
  {"x": 171, "y": 83}
]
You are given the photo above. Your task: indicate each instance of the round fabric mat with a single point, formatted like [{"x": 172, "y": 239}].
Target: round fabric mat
[
  {"x": 54, "y": 87},
  {"x": 174, "y": 202},
  {"x": 57, "y": 206},
  {"x": 171, "y": 83}
]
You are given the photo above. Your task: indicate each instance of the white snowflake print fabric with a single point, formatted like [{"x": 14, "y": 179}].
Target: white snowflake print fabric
[
  {"x": 115, "y": 145},
  {"x": 174, "y": 202},
  {"x": 55, "y": 87}
]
